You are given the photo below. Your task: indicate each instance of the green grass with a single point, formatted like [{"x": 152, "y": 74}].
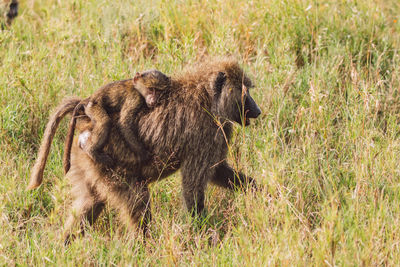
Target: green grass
[{"x": 325, "y": 151}]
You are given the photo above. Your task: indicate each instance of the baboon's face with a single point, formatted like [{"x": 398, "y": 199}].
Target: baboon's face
[{"x": 235, "y": 102}]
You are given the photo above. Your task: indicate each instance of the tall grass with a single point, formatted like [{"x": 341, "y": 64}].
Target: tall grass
[{"x": 325, "y": 150}]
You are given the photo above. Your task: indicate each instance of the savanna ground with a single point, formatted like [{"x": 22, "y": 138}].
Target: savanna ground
[{"x": 325, "y": 151}]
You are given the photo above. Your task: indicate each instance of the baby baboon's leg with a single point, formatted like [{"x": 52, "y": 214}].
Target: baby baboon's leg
[
  {"x": 226, "y": 177},
  {"x": 85, "y": 208},
  {"x": 101, "y": 129}
]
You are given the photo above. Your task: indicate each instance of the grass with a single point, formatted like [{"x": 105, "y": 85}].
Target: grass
[{"x": 325, "y": 150}]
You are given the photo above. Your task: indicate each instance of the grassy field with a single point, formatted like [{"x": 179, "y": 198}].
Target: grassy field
[{"x": 325, "y": 151}]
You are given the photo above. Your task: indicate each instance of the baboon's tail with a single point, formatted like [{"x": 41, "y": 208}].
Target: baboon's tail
[
  {"x": 63, "y": 109},
  {"x": 70, "y": 137}
]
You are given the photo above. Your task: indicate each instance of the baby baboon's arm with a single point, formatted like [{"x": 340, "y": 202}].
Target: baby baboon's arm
[
  {"x": 101, "y": 129},
  {"x": 127, "y": 118}
]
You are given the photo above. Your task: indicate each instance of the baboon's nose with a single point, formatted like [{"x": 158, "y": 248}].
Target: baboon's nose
[
  {"x": 252, "y": 109},
  {"x": 258, "y": 112}
]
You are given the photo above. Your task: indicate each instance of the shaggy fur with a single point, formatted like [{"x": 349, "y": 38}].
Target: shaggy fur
[
  {"x": 126, "y": 98},
  {"x": 188, "y": 130}
]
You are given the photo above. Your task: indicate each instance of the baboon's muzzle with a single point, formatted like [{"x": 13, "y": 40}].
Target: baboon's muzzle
[{"x": 251, "y": 110}]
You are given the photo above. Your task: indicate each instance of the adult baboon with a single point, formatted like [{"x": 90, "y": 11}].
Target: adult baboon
[
  {"x": 188, "y": 130},
  {"x": 124, "y": 97},
  {"x": 9, "y": 9}
]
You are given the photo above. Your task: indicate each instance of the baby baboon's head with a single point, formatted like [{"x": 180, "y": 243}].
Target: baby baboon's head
[{"x": 150, "y": 84}]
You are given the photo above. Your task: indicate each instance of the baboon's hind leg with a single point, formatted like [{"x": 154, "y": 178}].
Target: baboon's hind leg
[
  {"x": 133, "y": 204},
  {"x": 85, "y": 208}
]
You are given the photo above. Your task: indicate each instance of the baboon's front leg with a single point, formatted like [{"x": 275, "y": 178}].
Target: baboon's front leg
[
  {"x": 194, "y": 183},
  {"x": 225, "y": 176}
]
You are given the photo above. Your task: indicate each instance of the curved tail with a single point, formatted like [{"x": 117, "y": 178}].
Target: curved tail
[
  {"x": 67, "y": 106},
  {"x": 70, "y": 135}
]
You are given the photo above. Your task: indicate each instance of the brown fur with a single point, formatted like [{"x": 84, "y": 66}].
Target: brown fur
[
  {"x": 124, "y": 97},
  {"x": 188, "y": 130}
]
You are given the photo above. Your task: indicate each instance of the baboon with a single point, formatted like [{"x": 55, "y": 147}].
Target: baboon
[
  {"x": 123, "y": 97},
  {"x": 9, "y": 9},
  {"x": 188, "y": 130}
]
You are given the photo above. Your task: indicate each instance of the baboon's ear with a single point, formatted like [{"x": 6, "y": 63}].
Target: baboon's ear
[{"x": 219, "y": 82}]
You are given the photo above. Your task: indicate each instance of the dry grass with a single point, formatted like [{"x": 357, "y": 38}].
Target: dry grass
[{"x": 326, "y": 147}]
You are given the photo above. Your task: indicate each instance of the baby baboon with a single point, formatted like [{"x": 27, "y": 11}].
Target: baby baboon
[
  {"x": 123, "y": 97},
  {"x": 188, "y": 130},
  {"x": 9, "y": 9}
]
